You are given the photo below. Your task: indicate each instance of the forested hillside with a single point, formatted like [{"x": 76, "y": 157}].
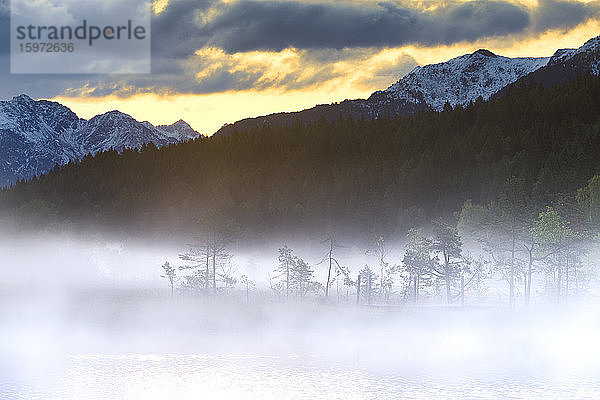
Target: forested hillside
[{"x": 364, "y": 176}]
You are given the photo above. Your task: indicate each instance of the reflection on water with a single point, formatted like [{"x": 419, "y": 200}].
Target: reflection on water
[{"x": 173, "y": 376}]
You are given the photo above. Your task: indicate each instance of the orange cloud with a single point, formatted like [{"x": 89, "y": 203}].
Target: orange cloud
[{"x": 294, "y": 79}]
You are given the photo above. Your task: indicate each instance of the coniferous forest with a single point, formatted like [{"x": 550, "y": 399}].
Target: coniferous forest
[{"x": 381, "y": 176}]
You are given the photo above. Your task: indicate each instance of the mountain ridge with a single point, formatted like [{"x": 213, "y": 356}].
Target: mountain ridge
[{"x": 35, "y": 135}]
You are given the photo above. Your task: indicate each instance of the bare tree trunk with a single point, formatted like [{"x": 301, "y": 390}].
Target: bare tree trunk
[
  {"x": 462, "y": 291},
  {"x": 358, "y": 290},
  {"x": 576, "y": 283},
  {"x": 369, "y": 290},
  {"x": 567, "y": 277},
  {"x": 329, "y": 271},
  {"x": 448, "y": 291},
  {"x": 416, "y": 289},
  {"x": 529, "y": 273},
  {"x": 558, "y": 284},
  {"x": 287, "y": 278},
  {"x": 207, "y": 268},
  {"x": 382, "y": 283},
  {"x": 511, "y": 279},
  {"x": 214, "y": 271},
  {"x": 447, "y": 278},
  {"x": 525, "y": 287}
]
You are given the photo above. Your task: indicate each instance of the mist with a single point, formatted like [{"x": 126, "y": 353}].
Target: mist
[{"x": 87, "y": 318}]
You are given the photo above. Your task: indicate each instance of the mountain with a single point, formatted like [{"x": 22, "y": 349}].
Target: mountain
[
  {"x": 180, "y": 130},
  {"x": 37, "y": 135},
  {"x": 460, "y": 80},
  {"x": 456, "y": 81},
  {"x": 566, "y": 64}
]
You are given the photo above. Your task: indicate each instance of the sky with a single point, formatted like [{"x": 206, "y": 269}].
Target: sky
[{"x": 217, "y": 61}]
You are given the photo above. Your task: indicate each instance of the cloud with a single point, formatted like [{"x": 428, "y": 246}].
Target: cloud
[
  {"x": 212, "y": 71},
  {"x": 249, "y": 25},
  {"x": 386, "y": 73},
  {"x": 564, "y": 15},
  {"x": 211, "y": 46},
  {"x": 175, "y": 30},
  {"x": 4, "y": 27},
  {"x": 185, "y": 26}
]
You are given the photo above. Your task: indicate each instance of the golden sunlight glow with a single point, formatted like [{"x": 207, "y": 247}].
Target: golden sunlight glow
[
  {"x": 159, "y": 6},
  {"x": 205, "y": 113},
  {"x": 292, "y": 79}
]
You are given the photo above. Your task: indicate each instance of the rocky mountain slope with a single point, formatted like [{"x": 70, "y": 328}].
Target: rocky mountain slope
[
  {"x": 36, "y": 135},
  {"x": 460, "y": 80}
]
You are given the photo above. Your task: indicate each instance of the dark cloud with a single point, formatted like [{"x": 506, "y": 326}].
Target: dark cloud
[
  {"x": 553, "y": 14},
  {"x": 468, "y": 22},
  {"x": 335, "y": 55},
  {"x": 271, "y": 25},
  {"x": 249, "y": 25},
  {"x": 175, "y": 31}
]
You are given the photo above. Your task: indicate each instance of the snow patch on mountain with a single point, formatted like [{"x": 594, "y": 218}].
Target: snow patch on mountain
[
  {"x": 589, "y": 55},
  {"x": 179, "y": 130},
  {"x": 562, "y": 55},
  {"x": 461, "y": 79}
]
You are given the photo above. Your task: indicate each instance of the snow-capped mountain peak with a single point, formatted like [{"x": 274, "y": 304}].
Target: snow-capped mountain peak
[
  {"x": 461, "y": 79},
  {"x": 22, "y": 98},
  {"x": 484, "y": 53},
  {"x": 35, "y": 135},
  {"x": 180, "y": 130},
  {"x": 588, "y": 54}
]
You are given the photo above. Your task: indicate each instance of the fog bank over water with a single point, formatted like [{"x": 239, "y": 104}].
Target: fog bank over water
[
  {"x": 94, "y": 319},
  {"x": 79, "y": 343}
]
